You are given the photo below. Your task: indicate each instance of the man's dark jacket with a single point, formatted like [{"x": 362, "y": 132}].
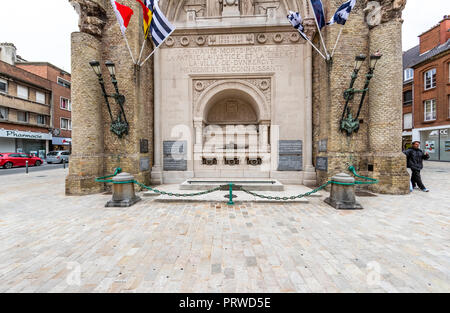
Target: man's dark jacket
[{"x": 415, "y": 158}]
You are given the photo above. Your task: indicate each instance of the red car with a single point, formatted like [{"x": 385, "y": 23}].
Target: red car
[{"x": 9, "y": 160}]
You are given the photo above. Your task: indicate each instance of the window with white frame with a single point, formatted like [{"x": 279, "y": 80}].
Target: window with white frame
[
  {"x": 408, "y": 74},
  {"x": 22, "y": 92},
  {"x": 430, "y": 110},
  {"x": 4, "y": 113},
  {"x": 430, "y": 79},
  {"x": 407, "y": 121},
  {"x": 66, "y": 124},
  {"x": 63, "y": 82},
  {"x": 3, "y": 86},
  {"x": 22, "y": 116},
  {"x": 40, "y": 97},
  {"x": 65, "y": 104},
  {"x": 41, "y": 119}
]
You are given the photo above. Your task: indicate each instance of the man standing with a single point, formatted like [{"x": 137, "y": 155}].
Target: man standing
[{"x": 415, "y": 158}]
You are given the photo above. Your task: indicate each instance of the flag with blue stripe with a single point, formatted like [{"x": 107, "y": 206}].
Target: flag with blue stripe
[
  {"x": 341, "y": 15},
  {"x": 318, "y": 12},
  {"x": 160, "y": 27}
]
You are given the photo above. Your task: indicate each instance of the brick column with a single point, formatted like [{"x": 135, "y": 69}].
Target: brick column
[
  {"x": 385, "y": 110},
  {"x": 86, "y": 161}
]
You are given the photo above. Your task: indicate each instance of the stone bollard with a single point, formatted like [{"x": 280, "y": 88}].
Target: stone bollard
[
  {"x": 342, "y": 197},
  {"x": 123, "y": 194}
]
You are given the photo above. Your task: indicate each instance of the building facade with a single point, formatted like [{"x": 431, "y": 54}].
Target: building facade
[
  {"x": 62, "y": 105},
  {"x": 25, "y": 107},
  {"x": 426, "y": 92},
  {"x": 236, "y": 93}
]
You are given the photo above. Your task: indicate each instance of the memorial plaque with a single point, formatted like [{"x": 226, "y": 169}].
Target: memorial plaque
[
  {"x": 174, "y": 147},
  {"x": 144, "y": 164},
  {"x": 290, "y": 163},
  {"x": 322, "y": 164},
  {"x": 290, "y": 155},
  {"x": 175, "y": 155},
  {"x": 144, "y": 146},
  {"x": 323, "y": 145},
  {"x": 171, "y": 164},
  {"x": 290, "y": 147}
]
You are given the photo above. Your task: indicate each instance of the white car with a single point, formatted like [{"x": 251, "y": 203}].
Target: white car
[{"x": 58, "y": 157}]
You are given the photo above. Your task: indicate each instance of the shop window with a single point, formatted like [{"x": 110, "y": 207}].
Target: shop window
[
  {"x": 41, "y": 119},
  {"x": 22, "y": 92},
  {"x": 407, "y": 97},
  {"x": 430, "y": 110},
  {"x": 66, "y": 124},
  {"x": 65, "y": 104},
  {"x": 407, "y": 121},
  {"x": 430, "y": 79},
  {"x": 3, "y": 86},
  {"x": 22, "y": 116},
  {"x": 4, "y": 113},
  {"x": 40, "y": 97}
]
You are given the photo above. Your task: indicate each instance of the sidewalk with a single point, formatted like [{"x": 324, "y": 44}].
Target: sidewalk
[{"x": 54, "y": 243}]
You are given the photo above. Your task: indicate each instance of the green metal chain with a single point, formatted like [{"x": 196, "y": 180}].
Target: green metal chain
[
  {"x": 105, "y": 179},
  {"x": 288, "y": 198}
]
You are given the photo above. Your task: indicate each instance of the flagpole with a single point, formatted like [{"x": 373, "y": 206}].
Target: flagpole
[
  {"x": 320, "y": 32},
  {"x": 157, "y": 47},
  {"x": 310, "y": 42},
  {"x": 142, "y": 50},
  {"x": 337, "y": 40},
  {"x": 129, "y": 49}
]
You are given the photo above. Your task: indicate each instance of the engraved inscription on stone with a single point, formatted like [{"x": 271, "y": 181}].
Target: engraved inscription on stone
[
  {"x": 290, "y": 163},
  {"x": 144, "y": 164},
  {"x": 234, "y": 39},
  {"x": 290, "y": 147},
  {"x": 323, "y": 145},
  {"x": 230, "y": 59},
  {"x": 322, "y": 164},
  {"x": 175, "y": 155},
  {"x": 290, "y": 155}
]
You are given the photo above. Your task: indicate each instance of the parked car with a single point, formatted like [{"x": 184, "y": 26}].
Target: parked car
[
  {"x": 10, "y": 160},
  {"x": 58, "y": 156}
]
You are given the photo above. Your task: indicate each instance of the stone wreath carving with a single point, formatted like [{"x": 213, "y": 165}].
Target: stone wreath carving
[{"x": 92, "y": 16}]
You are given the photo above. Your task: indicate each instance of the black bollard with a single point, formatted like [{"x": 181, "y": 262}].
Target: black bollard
[
  {"x": 26, "y": 167},
  {"x": 64, "y": 163}
]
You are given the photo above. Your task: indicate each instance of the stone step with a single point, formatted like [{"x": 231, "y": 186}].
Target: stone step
[{"x": 253, "y": 184}]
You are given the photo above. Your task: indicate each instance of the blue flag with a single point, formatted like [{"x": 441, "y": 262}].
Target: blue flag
[
  {"x": 341, "y": 15},
  {"x": 319, "y": 13}
]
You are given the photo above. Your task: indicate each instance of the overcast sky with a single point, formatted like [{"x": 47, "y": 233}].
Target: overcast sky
[{"x": 41, "y": 29}]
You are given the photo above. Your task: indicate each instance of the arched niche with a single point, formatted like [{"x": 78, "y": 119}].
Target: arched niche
[{"x": 236, "y": 97}]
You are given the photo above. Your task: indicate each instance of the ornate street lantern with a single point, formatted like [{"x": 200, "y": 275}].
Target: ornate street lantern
[
  {"x": 350, "y": 124},
  {"x": 120, "y": 125}
]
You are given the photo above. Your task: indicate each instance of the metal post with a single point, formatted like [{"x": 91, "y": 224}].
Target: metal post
[
  {"x": 230, "y": 202},
  {"x": 64, "y": 163},
  {"x": 26, "y": 167}
]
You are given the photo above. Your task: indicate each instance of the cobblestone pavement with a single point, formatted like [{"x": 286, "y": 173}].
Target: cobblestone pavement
[{"x": 53, "y": 243}]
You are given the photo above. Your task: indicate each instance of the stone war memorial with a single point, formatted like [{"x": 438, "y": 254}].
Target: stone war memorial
[{"x": 236, "y": 94}]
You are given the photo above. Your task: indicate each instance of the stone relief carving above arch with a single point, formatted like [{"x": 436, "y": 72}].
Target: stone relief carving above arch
[
  {"x": 92, "y": 16},
  {"x": 176, "y": 9}
]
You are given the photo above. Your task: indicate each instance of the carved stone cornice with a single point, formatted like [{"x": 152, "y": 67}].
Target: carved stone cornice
[{"x": 92, "y": 16}]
